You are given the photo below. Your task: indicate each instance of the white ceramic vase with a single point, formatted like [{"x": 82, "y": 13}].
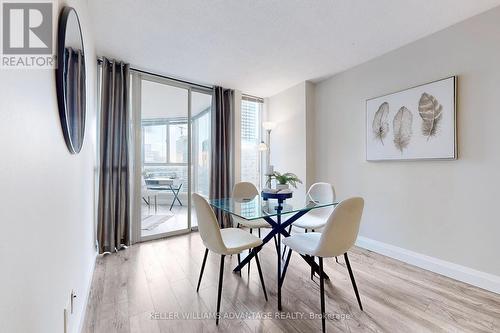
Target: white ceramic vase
[{"x": 280, "y": 187}]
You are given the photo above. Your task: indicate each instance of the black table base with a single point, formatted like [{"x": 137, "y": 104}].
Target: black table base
[{"x": 277, "y": 230}]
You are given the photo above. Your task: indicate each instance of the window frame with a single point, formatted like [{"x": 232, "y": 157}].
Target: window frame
[
  {"x": 167, "y": 122},
  {"x": 195, "y": 138},
  {"x": 260, "y": 133}
]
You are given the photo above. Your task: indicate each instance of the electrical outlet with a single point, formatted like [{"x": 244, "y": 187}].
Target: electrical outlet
[
  {"x": 72, "y": 301},
  {"x": 68, "y": 311}
]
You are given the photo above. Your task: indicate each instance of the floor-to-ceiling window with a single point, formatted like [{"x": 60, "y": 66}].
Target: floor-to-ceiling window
[
  {"x": 173, "y": 149},
  {"x": 173, "y": 155},
  {"x": 165, "y": 146},
  {"x": 251, "y": 114}
]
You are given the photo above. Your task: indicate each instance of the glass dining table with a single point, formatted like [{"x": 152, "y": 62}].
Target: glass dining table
[{"x": 280, "y": 211}]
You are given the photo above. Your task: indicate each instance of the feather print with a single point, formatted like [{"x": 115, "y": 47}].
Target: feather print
[
  {"x": 380, "y": 123},
  {"x": 401, "y": 126},
  {"x": 431, "y": 111}
]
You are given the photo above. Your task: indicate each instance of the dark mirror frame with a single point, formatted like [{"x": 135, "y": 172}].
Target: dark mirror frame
[{"x": 64, "y": 113}]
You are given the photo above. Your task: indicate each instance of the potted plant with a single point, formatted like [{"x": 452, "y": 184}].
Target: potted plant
[{"x": 284, "y": 180}]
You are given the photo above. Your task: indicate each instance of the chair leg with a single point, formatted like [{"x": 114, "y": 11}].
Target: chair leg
[
  {"x": 248, "y": 265},
  {"x": 249, "y": 250},
  {"x": 261, "y": 276},
  {"x": 351, "y": 275},
  {"x": 202, "y": 269},
  {"x": 322, "y": 292},
  {"x": 239, "y": 262},
  {"x": 219, "y": 293},
  {"x": 312, "y": 271}
]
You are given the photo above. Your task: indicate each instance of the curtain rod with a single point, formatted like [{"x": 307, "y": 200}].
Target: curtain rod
[
  {"x": 251, "y": 97},
  {"x": 99, "y": 61}
]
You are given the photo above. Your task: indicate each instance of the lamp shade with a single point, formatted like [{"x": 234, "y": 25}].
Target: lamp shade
[
  {"x": 268, "y": 125},
  {"x": 262, "y": 146}
]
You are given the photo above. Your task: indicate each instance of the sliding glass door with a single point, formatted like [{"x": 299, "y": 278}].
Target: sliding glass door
[
  {"x": 200, "y": 142},
  {"x": 172, "y": 122}
]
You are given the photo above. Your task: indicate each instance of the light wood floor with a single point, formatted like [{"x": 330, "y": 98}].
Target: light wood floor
[
  {"x": 178, "y": 221},
  {"x": 160, "y": 277}
]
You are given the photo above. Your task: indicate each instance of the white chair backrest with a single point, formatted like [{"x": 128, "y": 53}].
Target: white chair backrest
[
  {"x": 244, "y": 190},
  {"x": 321, "y": 193},
  {"x": 207, "y": 225},
  {"x": 342, "y": 228}
]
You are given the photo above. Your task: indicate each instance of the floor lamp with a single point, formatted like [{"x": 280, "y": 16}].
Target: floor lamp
[{"x": 266, "y": 146}]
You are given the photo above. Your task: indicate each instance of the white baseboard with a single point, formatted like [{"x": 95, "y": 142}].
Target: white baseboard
[
  {"x": 468, "y": 275},
  {"x": 87, "y": 294}
]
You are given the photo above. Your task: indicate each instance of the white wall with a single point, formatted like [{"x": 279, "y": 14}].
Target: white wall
[
  {"x": 46, "y": 200},
  {"x": 443, "y": 209},
  {"x": 290, "y": 110},
  {"x": 310, "y": 135}
]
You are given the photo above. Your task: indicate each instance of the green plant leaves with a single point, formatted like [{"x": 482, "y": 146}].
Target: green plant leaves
[{"x": 286, "y": 178}]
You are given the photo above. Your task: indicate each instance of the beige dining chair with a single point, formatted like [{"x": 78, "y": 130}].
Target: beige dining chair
[
  {"x": 224, "y": 242},
  {"x": 338, "y": 236},
  {"x": 247, "y": 191},
  {"x": 315, "y": 219}
]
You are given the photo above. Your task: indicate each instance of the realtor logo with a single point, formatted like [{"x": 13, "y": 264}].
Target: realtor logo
[
  {"x": 27, "y": 28},
  {"x": 27, "y": 34}
]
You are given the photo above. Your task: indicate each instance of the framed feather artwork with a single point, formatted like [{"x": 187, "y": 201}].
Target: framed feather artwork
[{"x": 418, "y": 123}]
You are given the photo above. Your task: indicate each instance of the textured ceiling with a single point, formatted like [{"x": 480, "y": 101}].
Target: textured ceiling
[{"x": 262, "y": 47}]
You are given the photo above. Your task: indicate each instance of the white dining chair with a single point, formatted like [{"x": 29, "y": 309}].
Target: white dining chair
[
  {"x": 224, "y": 242},
  {"x": 247, "y": 191},
  {"x": 338, "y": 236},
  {"x": 316, "y": 218}
]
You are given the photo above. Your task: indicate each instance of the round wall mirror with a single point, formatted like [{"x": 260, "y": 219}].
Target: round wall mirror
[{"x": 70, "y": 79}]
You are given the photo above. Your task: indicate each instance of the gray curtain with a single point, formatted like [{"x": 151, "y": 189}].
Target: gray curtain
[
  {"x": 74, "y": 81},
  {"x": 113, "y": 229},
  {"x": 222, "y": 127}
]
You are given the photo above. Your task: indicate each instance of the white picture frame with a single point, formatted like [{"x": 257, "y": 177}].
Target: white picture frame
[{"x": 418, "y": 123}]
